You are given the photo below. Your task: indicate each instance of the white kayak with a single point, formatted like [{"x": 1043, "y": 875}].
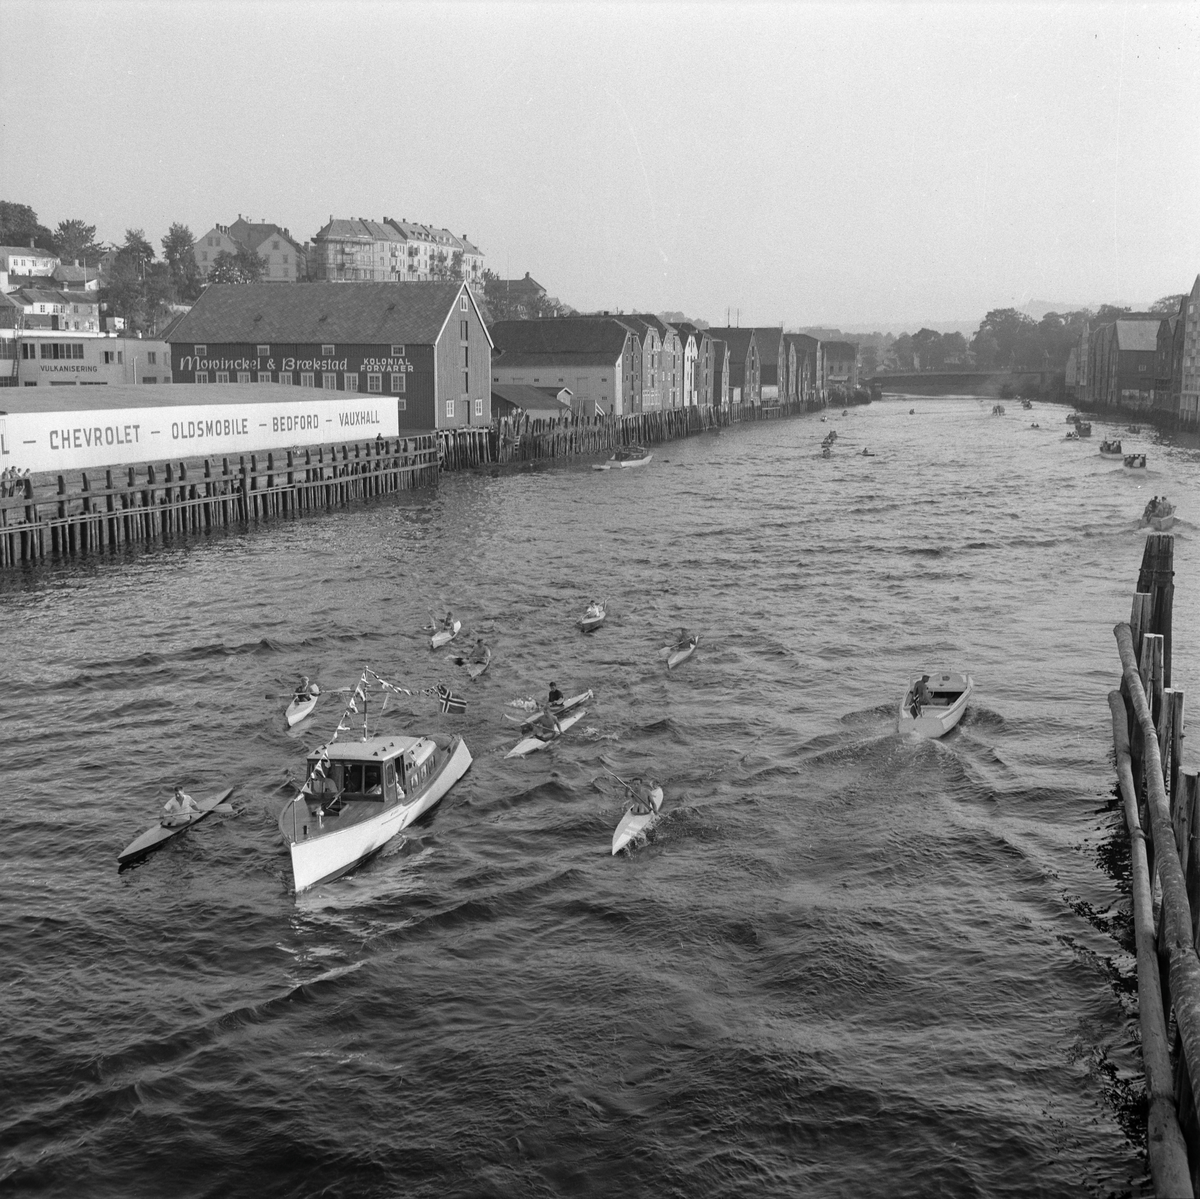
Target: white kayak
[
  {"x": 681, "y": 652},
  {"x": 475, "y": 669},
  {"x": 153, "y": 837},
  {"x": 526, "y": 722},
  {"x": 633, "y": 823},
  {"x": 445, "y": 636},
  {"x": 299, "y": 709},
  {"x": 531, "y": 744}
]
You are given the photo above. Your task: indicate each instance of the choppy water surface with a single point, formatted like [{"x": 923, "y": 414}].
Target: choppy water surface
[{"x": 844, "y": 963}]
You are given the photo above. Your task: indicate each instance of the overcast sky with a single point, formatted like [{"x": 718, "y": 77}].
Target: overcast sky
[{"x": 843, "y": 164}]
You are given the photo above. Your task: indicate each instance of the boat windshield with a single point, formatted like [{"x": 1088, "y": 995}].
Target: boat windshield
[{"x": 362, "y": 778}]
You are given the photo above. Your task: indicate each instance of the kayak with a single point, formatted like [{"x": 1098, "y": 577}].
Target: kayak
[
  {"x": 445, "y": 636},
  {"x": 298, "y": 709},
  {"x": 153, "y": 837},
  {"x": 475, "y": 669},
  {"x": 592, "y": 621},
  {"x": 526, "y": 722},
  {"x": 531, "y": 744},
  {"x": 681, "y": 653},
  {"x": 633, "y": 822}
]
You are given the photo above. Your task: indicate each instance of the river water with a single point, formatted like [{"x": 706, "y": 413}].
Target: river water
[{"x": 844, "y": 963}]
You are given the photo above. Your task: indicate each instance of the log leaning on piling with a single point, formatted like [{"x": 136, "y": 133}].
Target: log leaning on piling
[
  {"x": 1176, "y": 932},
  {"x": 1164, "y": 1139}
]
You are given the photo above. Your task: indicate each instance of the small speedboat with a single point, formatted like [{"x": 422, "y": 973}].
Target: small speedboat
[
  {"x": 531, "y": 744},
  {"x": 593, "y": 618},
  {"x": 633, "y": 823},
  {"x": 357, "y": 796},
  {"x": 950, "y": 692},
  {"x": 627, "y": 456},
  {"x": 1135, "y": 461},
  {"x": 159, "y": 833},
  {"x": 1159, "y": 515},
  {"x": 300, "y": 708},
  {"x": 1111, "y": 449},
  {"x": 445, "y": 636},
  {"x": 681, "y": 651}
]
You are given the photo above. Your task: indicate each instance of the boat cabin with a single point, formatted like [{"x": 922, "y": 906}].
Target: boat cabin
[{"x": 385, "y": 769}]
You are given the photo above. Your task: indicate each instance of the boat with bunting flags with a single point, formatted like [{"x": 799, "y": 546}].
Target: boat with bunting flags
[{"x": 357, "y": 795}]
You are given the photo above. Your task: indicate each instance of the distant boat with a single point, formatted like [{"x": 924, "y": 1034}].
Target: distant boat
[
  {"x": 1135, "y": 461},
  {"x": 1111, "y": 449},
  {"x": 936, "y": 718},
  {"x": 632, "y": 455},
  {"x": 1083, "y": 428}
]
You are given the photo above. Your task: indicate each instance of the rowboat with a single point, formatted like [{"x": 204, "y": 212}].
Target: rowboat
[
  {"x": 357, "y": 796},
  {"x": 593, "y": 618},
  {"x": 938, "y": 716},
  {"x": 631, "y": 455},
  {"x": 475, "y": 669},
  {"x": 531, "y": 744},
  {"x": 682, "y": 651},
  {"x": 1135, "y": 461},
  {"x": 633, "y": 823},
  {"x": 155, "y": 836},
  {"x": 445, "y": 636},
  {"x": 299, "y": 709}
]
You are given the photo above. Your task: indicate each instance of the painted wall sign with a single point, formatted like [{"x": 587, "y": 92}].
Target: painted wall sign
[{"x": 56, "y": 441}]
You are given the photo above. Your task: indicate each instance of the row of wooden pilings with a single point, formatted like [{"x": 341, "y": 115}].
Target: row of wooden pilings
[
  {"x": 145, "y": 503},
  {"x": 523, "y": 439},
  {"x": 137, "y": 504},
  {"x": 1161, "y": 804}
]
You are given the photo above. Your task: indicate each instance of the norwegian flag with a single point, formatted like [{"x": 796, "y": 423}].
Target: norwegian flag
[{"x": 449, "y": 702}]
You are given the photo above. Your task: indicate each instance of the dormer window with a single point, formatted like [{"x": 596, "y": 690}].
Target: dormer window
[
  {"x": 327, "y": 351},
  {"x": 397, "y": 351},
  {"x": 200, "y": 351},
  {"x": 263, "y": 351}
]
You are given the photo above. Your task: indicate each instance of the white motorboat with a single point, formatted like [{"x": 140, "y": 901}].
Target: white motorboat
[
  {"x": 630, "y": 455},
  {"x": 358, "y": 796},
  {"x": 937, "y": 716}
]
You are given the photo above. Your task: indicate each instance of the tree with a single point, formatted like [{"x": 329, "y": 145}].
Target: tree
[
  {"x": 902, "y": 351},
  {"x": 75, "y": 241},
  {"x": 927, "y": 345},
  {"x": 1167, "y": 305},
  {"x": 440, "y": 266},
  {"x": 179, "y": 250},
  {"x": 954, "y": 346},
  {"x": 1107, "y": 313},
  {"x": 868, "y": 361},
  {"x": 1003, "y": 336},
  {"x": 243, "y": 267},
  {"x": 19, "y": 226}
]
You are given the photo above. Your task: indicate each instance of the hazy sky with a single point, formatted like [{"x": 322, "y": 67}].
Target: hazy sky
[{"x": 806, "y": 163}]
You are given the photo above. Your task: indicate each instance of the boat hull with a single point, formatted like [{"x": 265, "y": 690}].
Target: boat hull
[
  {"x": 1111, "y": 454},
  {"x": 324, "y": 856},
  {"x": 681, "y": 655},
  {"x": 475, "y": 669},
  {"x": 626, "y": 464},
  {"x": 938, "y": 718},
  {"x": 1160, "y": 524},
  {"x": 588, "y": 623},
  {"x": 445, "y": 636},
  {"x": 299, "y": 710},
  {"x": 156, "y": 835},
  {"x": 531, "y": 745},
  {"x": 634, "y": 823}
]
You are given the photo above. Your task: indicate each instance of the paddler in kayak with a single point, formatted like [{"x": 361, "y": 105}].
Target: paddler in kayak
[
  {"x": 643, "y": 804},
  {"x": 306, "y": 690},
  {"x": 480, "y": 651},
  {"x": 179, "y": 809},
  {"x": 556, "y": 696},
  {"x": 685, "y": 639},
  {"x": 545, "y": 726},
  {"x": 443, "y": 622}
]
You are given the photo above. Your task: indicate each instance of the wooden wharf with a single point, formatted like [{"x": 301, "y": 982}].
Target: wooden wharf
[
  {"x": 1161, "y": 804},
  {"x": 139, "y": 504}
]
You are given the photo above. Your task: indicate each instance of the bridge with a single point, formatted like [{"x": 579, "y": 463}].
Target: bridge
[{"x": 970, "y": 383}]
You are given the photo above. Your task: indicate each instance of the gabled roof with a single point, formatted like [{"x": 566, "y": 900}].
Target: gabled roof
[
  {"x": 356, "y": 229},
  {"x": 804, "y": 341},
  {"x": 840, "y": 349},
  {"x": 28, "y": 251},
  {"x": 562, "y": 337},
  {"x": 738, "y": 340},
  {"x": 532, "y": 399},
  {"x": 74, "y": 274},
  {"x": 768, "y": 338},
  {"x": 521, "y": 286},
  {"x": 40, "y": 295},
  {"x": 1138, "y": 335},
  {"x": 659, "y": 325},
  {"x": 360, "y": 313}
]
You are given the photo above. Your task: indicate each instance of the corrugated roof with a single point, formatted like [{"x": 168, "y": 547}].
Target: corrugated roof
[
  {"x": 1138, "y": 335},
  {"x": 561, "y": 336},
  {"x": 350, "y": 313}
]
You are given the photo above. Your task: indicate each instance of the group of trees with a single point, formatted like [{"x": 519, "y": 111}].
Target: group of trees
[
  {"x": 73, "y": 240},
  {"x": 528, "y": 303}
]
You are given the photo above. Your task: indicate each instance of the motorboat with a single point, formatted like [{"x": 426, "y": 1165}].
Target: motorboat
[
  {"x": 593, "y": 618},
  {"x": 1159, "y": 514},
  {"x": 358, "y": 795},
  {"x": 1072, "y": 436},
  {"x": 1111, "y": 449},
  {"x": 627, "y": 456},
  {"x": 949, "y": 692},
  {"x": 1135, "y": 461},
  {"x": 1083, "y": 428}
]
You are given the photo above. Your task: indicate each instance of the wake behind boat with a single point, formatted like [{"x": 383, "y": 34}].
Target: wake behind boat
[
  {"x": 627, "y": 456},
  {"x": 942, "y": 710},
  {"x": 159, "y": 833},
  {"x": 356, "y": 797}
]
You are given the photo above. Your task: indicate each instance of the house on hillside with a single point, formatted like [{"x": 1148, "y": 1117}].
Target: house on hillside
[
  {"x": 420, "y": 346},
  {"x": 285, "y": 257},
  {"x": 519, "y": 299},
  {"x": 773, "y": 368},
  {"x": 27, "y": 260},
  {"x": 743, "y": 374},
  {"x": 598, "y": 358}
]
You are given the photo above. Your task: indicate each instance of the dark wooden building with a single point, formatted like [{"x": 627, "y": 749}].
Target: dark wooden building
[{"x": 422, "y": 345}]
